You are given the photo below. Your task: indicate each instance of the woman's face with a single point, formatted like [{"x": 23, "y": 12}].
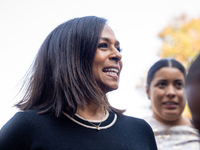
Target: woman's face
[
  {"x": 167, "y": 94},
  {"x": 107, "y": 63}
]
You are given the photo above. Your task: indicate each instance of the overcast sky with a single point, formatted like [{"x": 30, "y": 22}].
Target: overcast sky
[{"x": 25, "y": 24}]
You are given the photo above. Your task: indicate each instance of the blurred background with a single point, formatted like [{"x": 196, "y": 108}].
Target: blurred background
[{"x": 147, "y": 30}]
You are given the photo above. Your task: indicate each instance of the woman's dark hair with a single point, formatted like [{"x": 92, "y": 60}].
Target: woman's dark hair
[
  {"x": 61, "y": 77},
  {"x": 166, "y": 62}
]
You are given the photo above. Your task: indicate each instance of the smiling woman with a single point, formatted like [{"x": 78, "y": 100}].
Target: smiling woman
[
  {"x": 107, "y": 61},
  {"x": 65, "y": 104},
  {"x": 165, "y": 89}
]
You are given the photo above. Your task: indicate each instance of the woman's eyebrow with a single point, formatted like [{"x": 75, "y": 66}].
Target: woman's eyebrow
[
  {"x": 178, "y": 80},
  {"x": 163, "y": 80},
  {"x": 108, "y": 40},
  {"x": 160, "y": 80}
]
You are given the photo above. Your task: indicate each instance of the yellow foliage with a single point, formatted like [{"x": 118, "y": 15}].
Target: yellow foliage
[
  {"x": 181, "y": 40},
  {"x": 186, "y": 112}
]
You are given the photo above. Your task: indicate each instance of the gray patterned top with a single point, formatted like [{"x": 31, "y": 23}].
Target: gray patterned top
[{"x": 174, "y": 137}]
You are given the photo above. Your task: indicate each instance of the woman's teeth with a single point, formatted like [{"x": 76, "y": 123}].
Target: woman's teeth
[
  {"x": 112, "y": 71},
  {"x": 170, "y": 103}
]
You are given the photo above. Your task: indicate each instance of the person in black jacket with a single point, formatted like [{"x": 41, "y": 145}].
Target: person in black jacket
[
  {"x": 193, "y": 91},
  {"x": 65, "y": 104}
]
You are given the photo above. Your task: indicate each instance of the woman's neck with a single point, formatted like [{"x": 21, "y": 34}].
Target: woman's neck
[
  {"x": 91, "y": 112},
  {"x": 179, "y": 121}
]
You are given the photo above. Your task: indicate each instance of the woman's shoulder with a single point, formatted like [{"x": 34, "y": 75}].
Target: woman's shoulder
[
  {"x": 134, "y": 120},
  {"x": 24, "y": 116},
  {"x": 131, "y": 118},
  {"x": 27, "y": 113},
  {"x": 19, "y": 129},
  {"x": 138, "y": 126},
  {"x": 153, "y": 122},
  {"x": 190, "y": 130},
  {"x": 21, "y": 120}
]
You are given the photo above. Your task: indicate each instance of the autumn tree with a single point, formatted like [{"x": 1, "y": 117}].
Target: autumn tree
[{"x": 181, "y": 39}]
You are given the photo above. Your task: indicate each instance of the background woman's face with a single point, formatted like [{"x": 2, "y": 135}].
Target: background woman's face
[
  {"x": 167, "y": 94},
  {"x": 107, "y": 63}
]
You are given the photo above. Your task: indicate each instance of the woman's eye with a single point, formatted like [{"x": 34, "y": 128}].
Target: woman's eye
[
  {"x": 179, "y": 85},
  {"x": 161, "y": 85},
  {"x": 119, "y": 49},
  {"x": 106, "y": 46},
  {"x": 103, "y": 45}
]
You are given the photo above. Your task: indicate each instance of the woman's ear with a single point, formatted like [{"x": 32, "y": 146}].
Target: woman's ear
[{"x": 147, "y": 91}]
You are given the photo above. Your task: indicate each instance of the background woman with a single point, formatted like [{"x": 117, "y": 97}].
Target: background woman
[
  {"x": 65, "y": 104},
  {"x": 165, "y": 89}
]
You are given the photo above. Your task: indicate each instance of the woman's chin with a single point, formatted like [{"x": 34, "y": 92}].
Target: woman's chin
[{"x": 110, "y": 89}]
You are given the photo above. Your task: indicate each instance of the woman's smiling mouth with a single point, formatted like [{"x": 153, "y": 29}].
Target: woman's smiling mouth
[
  {"x": 111, "y": 71},
  {"x": 170, "y": 104}
]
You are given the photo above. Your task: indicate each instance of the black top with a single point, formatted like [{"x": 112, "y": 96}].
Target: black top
[{"x": 31, "y": 131}]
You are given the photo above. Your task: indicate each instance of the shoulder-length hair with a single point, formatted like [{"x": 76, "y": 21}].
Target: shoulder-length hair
[{"x": 61, "y": 77}]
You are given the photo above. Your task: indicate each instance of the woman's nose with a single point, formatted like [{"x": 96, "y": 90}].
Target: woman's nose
[
  {"x": 116, "y": 55},
  {"x": 171, "y": 91}
]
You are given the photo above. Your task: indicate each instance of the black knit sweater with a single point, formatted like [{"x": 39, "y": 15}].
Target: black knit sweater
[{"x": 31, "y": 131}]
